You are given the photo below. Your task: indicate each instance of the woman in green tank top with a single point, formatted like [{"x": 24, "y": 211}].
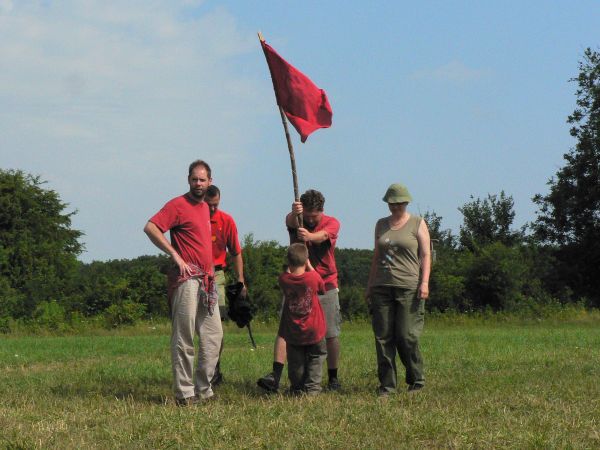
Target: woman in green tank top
[{"x": 396, "y": 292}]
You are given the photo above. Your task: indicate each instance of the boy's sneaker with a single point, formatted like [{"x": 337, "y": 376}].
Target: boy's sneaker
[
  {"x": 415, "y": 387},
  {"x": 296, "y": 392},
  {"x": 268, "y": 383},
  {"x": 334, "y": 384}
]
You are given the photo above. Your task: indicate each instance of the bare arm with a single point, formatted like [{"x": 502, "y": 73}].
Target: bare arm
[
  {"x": 425, "y": 258},
  {"x": 238, "y": 266},
  {"x": 372, "y": 272},
  {"x": 316, "y": 238},
  {"x": 158, "y": 238},
  {"x": 291, "y": 220}
]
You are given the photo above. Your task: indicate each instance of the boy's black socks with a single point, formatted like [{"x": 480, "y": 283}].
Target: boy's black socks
[
  {"x": 277, "y": 369},
  {"x": 332, "y": 374}
]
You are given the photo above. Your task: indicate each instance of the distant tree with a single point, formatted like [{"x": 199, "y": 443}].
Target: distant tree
[
  {"x": 102, "y": 284},
  {"x": 352, "y": 302},
  {"x": 263, "y": 263},
  {"x": 495, "y": 277},
  {"x": 353, "y": 266},
  {"x": 443, "y": 241},
  {"x": 487, "y": 221},
  {"x": 447, "y": 282},
  {"x": 38, "y": 247},
  {"x": 569, "y": 215},
  {"x": 494, "y": 266}
]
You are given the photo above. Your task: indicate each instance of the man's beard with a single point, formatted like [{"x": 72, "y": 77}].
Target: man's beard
[{"x": 198, "y": 194}]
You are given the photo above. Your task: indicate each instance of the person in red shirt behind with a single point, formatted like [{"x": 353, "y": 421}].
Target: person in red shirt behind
[
  {"x": 224, "y": 239},
  {"x": 302, "y": 323}
]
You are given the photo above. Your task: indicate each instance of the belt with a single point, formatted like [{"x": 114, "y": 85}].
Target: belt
[{"x": 219, "y": 267}]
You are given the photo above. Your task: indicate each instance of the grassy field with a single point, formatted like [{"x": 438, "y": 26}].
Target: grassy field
[{"x": 489, "y": 385}]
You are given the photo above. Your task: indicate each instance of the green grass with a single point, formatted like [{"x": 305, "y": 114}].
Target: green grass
[{"x": 489, "y": 385}]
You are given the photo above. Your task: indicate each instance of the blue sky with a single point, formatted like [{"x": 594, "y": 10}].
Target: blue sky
[{"x": 109, "y": 101}]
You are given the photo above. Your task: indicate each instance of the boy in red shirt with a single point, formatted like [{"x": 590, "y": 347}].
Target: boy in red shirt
[{"x": 302, "y": 322}]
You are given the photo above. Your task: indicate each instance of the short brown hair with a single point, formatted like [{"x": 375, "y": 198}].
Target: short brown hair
[
  {"x": 312, "y": 200},
  {"x": 197, "y": 163},
  {"x": 297, "y": 255},
  {"x": 213, "y": 191}
]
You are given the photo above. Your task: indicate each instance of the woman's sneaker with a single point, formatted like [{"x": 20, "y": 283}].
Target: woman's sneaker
[{"x": 415, "y": 387}]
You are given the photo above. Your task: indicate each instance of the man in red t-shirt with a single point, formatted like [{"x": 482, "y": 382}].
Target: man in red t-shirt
[
  {"x": 224, "y": 239},
  {"x": 191, "y": 289},
  {"x": 319, "y": 232},
  {"x": 302, "y": 323}
]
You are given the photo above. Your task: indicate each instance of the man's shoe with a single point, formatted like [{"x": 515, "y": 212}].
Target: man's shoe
[
  {"x": 383, "y": 393},
  {"x": 212, "y": 398},
  {"x": 217, "y": 379},
  {"x": 415, "y": 387},
  {"x": 268, "y": 383},
  {"x": 334, "y": 384},
  {"x": 188, "y": 401}
]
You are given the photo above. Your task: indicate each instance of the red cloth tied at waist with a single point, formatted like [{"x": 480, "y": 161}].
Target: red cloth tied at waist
[{"x": 207, "y": 293}]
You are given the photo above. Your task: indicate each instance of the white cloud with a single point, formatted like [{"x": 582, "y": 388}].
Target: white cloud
[{"x": 101, "y": 97}]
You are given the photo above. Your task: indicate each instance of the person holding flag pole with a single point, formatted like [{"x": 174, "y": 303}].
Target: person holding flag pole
[{"x": 307, "y": 108}]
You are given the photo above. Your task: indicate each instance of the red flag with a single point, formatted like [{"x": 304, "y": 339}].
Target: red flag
[{"x": 304, "y": 104}]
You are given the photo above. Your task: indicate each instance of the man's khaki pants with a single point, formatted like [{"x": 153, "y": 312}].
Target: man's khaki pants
[{"x": 190, "y": 316}]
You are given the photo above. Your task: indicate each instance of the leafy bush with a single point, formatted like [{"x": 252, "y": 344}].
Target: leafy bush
[
  {"x": 5, "y": 324},
  {"x": 50, "y": 316},
  {"x": 124, "y": 313},
  {"x": 447, "y": 292},
  {"x": 352, "y": 302},
  {"x": 353, "y": 266},
  {"x": 263, "y": 263},
  {"x": 496, "y": 277},
  {"x": 10, "y": 299}
]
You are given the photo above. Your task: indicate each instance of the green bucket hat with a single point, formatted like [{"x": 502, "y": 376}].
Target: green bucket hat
[{"x": 397, "y": 193}]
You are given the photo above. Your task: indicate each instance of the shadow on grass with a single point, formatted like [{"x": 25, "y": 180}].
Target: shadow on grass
[
  {"x": 119, "y": 392},
  {"x": 153, "y": 385},
  {"x": 247, "y": 389},
  {"x": 147, "y": 389}
]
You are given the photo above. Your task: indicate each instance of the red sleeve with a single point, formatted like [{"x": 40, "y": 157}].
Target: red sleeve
[
  {"x": 167, "y": 217},
  {"x": 233, "y": 241},
  {"x": 332, "y": 227},
  {"x": 319, "y": 282}
]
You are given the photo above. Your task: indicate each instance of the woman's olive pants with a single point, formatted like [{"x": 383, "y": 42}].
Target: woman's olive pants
[{"x": 398, "y": 317}]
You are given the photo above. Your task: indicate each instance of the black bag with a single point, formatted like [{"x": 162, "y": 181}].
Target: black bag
[{"x": 241, "y": 310}]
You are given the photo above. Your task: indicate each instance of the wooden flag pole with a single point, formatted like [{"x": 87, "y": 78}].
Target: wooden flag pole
[{"x": 290, "y": 148}]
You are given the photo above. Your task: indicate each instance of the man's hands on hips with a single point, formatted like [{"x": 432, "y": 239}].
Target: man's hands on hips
[{"x": 184, "y": 268}]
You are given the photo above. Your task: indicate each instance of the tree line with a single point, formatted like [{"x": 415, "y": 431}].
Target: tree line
[{"x": 488, "y": 265}]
